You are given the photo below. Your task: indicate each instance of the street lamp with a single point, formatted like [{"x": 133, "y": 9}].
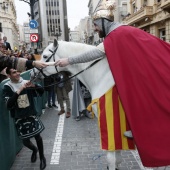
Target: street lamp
[{"x": 31, "y": 3}]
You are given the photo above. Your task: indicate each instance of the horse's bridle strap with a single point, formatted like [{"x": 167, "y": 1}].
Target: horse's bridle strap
[{"x": 63, "y": 81}]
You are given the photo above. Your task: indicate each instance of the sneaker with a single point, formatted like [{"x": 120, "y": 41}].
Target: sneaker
[
  {"x": 128, "y": 134},
  {"x": 54, "y": 105},
  {"x": 77, "y": 118},
  {"x": 50, "y": 107}
]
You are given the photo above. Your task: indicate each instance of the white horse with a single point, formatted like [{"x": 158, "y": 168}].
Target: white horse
[{"x": 98, "y": 78}]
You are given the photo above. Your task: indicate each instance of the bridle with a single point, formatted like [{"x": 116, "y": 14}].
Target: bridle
[
  {"x": 41, "y": 69},
  {"x": 52, "y": 55}
]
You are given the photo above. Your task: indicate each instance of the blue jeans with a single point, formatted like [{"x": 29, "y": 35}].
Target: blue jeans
[{"x": 51, "y": 95}]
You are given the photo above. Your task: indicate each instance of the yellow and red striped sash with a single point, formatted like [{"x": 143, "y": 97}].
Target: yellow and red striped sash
[{"x": 112, "y": 122}]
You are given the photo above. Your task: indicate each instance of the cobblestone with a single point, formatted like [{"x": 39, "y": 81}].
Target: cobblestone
[{"x": 80, "y": 147}]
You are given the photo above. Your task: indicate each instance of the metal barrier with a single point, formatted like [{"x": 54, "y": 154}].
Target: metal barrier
[{"x": 10, "y": 144}]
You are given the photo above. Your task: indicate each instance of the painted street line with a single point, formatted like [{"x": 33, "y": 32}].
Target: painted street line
[{"x": 58, "y": 141}]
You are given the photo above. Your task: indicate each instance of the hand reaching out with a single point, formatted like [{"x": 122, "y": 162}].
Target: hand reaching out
[
  {"x": 62, "y": 62},
  {"x": 40, "y": 64}
]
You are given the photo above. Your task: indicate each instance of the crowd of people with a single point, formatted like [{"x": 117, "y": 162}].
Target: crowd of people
[
  {"x": 19, "y": 93},
  {"x": 5, "y": 50}
]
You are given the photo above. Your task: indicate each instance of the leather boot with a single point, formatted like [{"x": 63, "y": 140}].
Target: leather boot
[
  {"x": 31, "y": 146},
  {"x": 41, "y": 152},
  {"x": 61, "y": 112},
  {"x": 42, "y": 163},
  {"x": 68, "y": 114}
]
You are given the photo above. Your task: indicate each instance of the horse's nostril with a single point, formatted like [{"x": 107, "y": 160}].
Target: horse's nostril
[{"x": 44, "y": 56}]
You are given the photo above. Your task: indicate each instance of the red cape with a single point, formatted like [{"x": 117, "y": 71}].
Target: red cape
[{"x": 140, "y": 64}]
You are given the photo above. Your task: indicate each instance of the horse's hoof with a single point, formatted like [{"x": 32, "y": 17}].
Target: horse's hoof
[{"x": 108, "y": 168}]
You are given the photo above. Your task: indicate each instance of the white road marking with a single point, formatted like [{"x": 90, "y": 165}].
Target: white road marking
[{"x": 58, "y": 140}]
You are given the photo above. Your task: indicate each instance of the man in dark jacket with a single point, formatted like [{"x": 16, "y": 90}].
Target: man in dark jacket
[
  {"x": 62, "y": 89},
  {"x": 7, "y": 44}
]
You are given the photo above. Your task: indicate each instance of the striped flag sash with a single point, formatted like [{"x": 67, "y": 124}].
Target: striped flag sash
[{"x": 112, "y": 122}]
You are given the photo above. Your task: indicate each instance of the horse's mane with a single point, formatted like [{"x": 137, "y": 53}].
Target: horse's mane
[{"x": 70, "y": 48}]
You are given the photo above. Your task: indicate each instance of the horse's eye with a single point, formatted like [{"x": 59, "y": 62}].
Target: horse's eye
[{"x": 44, "y": 56}]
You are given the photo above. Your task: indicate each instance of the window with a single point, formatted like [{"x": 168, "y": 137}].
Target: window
[
  {"x": 0, "y": 27},
  {"x": 162, "y": 34},
  {"x": 133, "y": 7}
]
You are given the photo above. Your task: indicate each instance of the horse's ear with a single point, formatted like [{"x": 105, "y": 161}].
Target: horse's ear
[{"x": 55, "y": 43}]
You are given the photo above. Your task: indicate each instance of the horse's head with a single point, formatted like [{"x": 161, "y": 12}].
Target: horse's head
[{"x": 49, "y": 55}]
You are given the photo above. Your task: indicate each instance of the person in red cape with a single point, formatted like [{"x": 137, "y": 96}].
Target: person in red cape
[{"x": 140, "y": 65}]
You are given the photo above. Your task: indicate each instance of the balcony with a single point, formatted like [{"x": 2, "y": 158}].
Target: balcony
[
  {"x": 165, "y": 5},
  {"x": 141, "y": 15}
]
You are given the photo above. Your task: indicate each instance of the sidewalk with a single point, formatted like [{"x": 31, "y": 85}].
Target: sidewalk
[{"x": 80, "y": 146}]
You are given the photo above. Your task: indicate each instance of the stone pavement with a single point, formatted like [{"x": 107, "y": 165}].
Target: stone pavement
[{"x": 72, "y": 145}]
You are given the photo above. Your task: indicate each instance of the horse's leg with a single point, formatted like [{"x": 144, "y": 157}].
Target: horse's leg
[{"x": 111, "y": 159}]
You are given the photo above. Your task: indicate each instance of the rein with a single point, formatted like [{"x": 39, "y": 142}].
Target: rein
[{"x": 63, "y": 81}]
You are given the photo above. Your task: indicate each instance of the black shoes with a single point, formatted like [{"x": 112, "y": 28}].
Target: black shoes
[
  {"x": 54, "y": 105},
  {"x": 42, "y": 163},
  {"x": 50, "y": 107},
  {"x": 34, "y": 156}
]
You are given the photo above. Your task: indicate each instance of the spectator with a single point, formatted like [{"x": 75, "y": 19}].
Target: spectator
[
  {"x": 7, "y": 44},
  {"x": 81, "y": 99},
  {"x": 48, "y": 81},
  {"x": 19, "y": 63},
  {"x": 62, "y": 89},
  {"x": 19, "y": 94}
]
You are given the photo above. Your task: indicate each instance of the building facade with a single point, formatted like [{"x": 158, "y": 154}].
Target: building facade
[
  {"x": 52, "y": 17},
  {"x": 152, "y": 16},
  {"x": 8, "y": 23}
]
